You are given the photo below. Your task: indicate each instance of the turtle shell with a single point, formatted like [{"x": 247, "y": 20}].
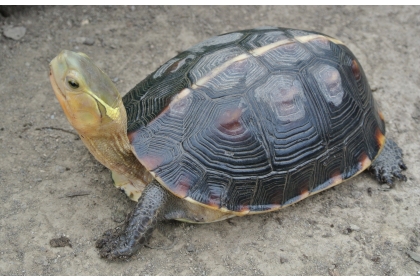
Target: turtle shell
[{"x": 255, "y": 120}]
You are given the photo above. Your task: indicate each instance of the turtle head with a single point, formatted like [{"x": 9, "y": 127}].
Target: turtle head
[
  {"x": 95, "y": 109},
  {"x": 88, "y": 97}
]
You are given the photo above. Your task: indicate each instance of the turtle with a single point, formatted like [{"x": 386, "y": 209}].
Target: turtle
[{"x": 243, "y": 123}]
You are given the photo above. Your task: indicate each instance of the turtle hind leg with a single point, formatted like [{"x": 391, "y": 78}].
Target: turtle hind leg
[
  {"x": 125, "y": 242},
  {"x": 389, "y": 164}
]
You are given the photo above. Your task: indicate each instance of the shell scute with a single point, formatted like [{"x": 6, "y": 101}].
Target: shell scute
[
  {"x": 181, "y": 175},
  {"x": 227, "y": 139},
  {"x": 269, "y": 194},
  {"x": 217, "y": 185}
]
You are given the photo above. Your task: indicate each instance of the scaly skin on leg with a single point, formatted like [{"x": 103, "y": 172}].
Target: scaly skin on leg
[
  {"x": 389, "y": 164},
  {"x": 139, "y": 226}
]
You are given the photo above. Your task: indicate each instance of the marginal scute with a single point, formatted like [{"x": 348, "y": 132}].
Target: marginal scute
[
  {"x": 329, "y": 166},
  {"x": 269, "y": 193},
  {"x": 164, "y": 67},
  {"x": 212, "y": 195},
  {"x": 182, "y": 186},
  {"x": 304, "y": 194},
  {"x": 215, "y": 195},
  {"x": 215, "y": 41},
  {"x": 380, "y": 138},
  {"x": 300, "y": 181},
  {"x": 239, "y": 195},
  {"x": 355, "y": 69},
  {"x": 380, "y": 119},
  {"x": 381, "y": 115},
  {"x": 364, "y": 161},
  {"x": 336, "y": 178}
]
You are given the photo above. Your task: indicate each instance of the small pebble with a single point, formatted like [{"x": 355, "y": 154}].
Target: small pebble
[
  {"x": 14, "y": 33},
  {"x": 89, "y": 41},
  {"x": 84, "y": 40},
  {"x": 354, "y": 228},
  {"x": 190, "y": 248},
  {"x": 60, "y": 242}
]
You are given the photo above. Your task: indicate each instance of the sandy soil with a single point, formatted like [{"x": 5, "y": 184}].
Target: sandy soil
[{"x": 51, "y": 187}]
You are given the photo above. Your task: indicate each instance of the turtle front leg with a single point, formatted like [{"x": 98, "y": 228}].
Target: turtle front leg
[
  {"x": 139, "y": 225},
  {"x": 155, "y": 204},
  {"x": 389, "y": 164}
]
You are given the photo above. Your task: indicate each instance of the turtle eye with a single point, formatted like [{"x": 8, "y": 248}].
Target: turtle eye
[{"x": 73, "y": 84}]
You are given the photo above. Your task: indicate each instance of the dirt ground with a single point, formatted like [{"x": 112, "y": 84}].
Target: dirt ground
[{"x": 51, "y": 187}]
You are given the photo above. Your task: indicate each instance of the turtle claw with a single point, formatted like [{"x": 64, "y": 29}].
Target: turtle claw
[
  {"x": 386, "y": 176},
  {"x": 389, "y": 164},
  {"x": 110, "y": 245},
  {"x": 400, "y": 176},
  {"x": 116, "y": 244}
]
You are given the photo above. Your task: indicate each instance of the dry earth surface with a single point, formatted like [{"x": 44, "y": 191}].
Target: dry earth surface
[{"x": 51, "y": 187}]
